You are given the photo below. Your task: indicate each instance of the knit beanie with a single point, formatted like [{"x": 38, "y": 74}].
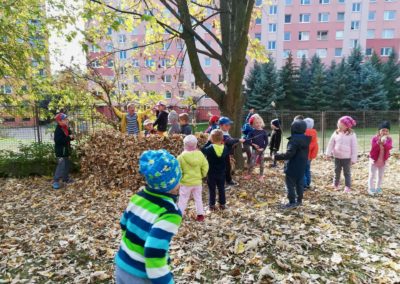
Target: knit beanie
[
  {"x": 160, "y": 169},
  {"x": 60, "y": 116},
  {"x": 251, "y": 119},
  {"x": 347, "y": 121},
  {"x": 173, "y": 117},
  {"x": 275, "y": 122},
  {"x": 298, "y": 127},
  {"x": 384, "y": 124},
  {"x": 190, "y": 143},
  {"x": 310, "y": 122}
]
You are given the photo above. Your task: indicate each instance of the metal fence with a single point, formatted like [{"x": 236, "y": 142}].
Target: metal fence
[
  {"x": 325, "y": 122},
  {"x": 27, "y": 124}
]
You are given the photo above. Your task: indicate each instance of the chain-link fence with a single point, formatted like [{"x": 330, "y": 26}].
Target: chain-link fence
[
  {"x": 325, "y": 123},
  {"x": 27, "y": 124}
]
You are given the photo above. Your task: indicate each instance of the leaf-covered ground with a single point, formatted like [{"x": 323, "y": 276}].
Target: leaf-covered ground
[{"x": 71, "y": 235}]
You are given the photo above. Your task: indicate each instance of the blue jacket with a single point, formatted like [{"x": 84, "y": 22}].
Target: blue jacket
[{"x": 217, "y": 164}]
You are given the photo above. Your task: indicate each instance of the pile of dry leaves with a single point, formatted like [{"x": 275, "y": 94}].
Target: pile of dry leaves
[
  {"x": 71, "y": 235},
  {"x": 110, "y": 158}
]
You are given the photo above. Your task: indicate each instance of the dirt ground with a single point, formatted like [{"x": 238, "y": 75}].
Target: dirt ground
[{"x": 71, "y": 235}]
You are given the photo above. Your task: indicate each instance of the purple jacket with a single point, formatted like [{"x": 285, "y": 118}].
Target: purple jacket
[{"x": 387, "y": 146}]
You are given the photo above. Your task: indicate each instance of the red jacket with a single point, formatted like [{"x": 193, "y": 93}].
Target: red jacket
[
  {"x": 313, "y": 150},
  {"x": 374, "y": 153}
]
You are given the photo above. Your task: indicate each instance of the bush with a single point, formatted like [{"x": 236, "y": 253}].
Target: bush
[{"x": 32, "y": 159}]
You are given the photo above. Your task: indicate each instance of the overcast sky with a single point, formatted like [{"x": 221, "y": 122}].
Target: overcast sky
[{"x": 62, "y": 52}]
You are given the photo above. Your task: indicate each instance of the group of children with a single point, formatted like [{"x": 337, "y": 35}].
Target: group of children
[{"x": 154, "y": 214}]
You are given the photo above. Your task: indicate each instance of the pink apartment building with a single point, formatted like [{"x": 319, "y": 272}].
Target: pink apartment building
[{"x": 329, "y": 28}]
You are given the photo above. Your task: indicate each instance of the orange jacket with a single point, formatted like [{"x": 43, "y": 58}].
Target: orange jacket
[{"x": 313, "y": 150}]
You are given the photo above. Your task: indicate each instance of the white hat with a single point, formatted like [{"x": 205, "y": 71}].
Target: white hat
[
  {"x": 190, "y": 143},
  {"x": 310, "y": 122}
]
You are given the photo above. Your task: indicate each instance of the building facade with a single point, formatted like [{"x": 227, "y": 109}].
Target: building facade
[{"x": 328, "y": 28}]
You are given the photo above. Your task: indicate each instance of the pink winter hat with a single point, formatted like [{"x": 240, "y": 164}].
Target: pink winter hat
[
  {"x": 190, "y": 143},
  {"x": 347, "y": 121}
]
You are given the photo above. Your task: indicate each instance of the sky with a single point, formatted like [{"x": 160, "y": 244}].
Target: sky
[{"x": 63, "y": 53}]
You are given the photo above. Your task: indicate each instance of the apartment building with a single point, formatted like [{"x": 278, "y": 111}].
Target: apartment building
[{"x": 328, "y": 28}]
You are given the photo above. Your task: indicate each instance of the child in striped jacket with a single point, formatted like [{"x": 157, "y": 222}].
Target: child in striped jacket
[{"x": 150, "y": 221}]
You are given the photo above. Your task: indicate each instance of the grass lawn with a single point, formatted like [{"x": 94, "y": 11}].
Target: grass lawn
[{"x": 71, "y": 235}]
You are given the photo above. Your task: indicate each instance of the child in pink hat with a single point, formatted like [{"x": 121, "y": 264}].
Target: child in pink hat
[{"x": 343, "y": 147}]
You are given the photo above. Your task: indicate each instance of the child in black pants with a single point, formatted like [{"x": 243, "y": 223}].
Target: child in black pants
[
  {"x": 276, "y": 137},
  {"x": 216, "y": 153},
  {"x": 296, "y": 157}
]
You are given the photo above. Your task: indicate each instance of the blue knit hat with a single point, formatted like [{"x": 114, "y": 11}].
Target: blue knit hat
[{"x": 160, "y": 169}]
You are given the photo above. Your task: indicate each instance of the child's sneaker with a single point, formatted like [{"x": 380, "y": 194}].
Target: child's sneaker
[
  {"x": 247, "y": 177},
  {"x": 212, "y": 208},
  {"x": 68, "y": 181},
  {"x": 261, "y": 178},
  {"x": 335, "y": 187},
  {"x": 371, "y": 191},
  {"x": 200, "y": 218},
  {"x": 347, "y": 189},
  {"x": 289, "y": 206},
  {"x": 56, "y": 185},
  {"x": 378, "y": 190},
  {"x": 222, "y": 207}
]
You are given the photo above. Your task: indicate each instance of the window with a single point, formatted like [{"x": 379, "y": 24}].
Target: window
[
  {"x": 305, "y": 18},
  {"x": 166, "y": 46},
  {"x": 208, "y": 76},
  {"x": 124, "y": 86},
  {"x": 386, "y": 51},
  {"x": 135, "y": 62},
  {"x": 42, "y": 72},
  {"x": 286, "y": 53},
  {"x": 219, "y": 77},
  {"x": 273, "y": 9},
  {"x": 339, "y": 34},
  {"x": 389, "y": 15},
  {"x": 258, "y": 21},
  {"x": 288, "y": 2},
  {"x": 96, "y": 64},
  {"x": 356, "y": 7},
  {"x": 179, "y": 62},
  {"x": 323, "y": 17},
  {"x": 6, "y": 89},
  {"x": 122, "y": 70},
  {"x": 180, "y": 45},
  {"x": 207, "y": 61},
  {"x": 257, "y": 36},
  {"x": 26, "y": 119},
  {"x": 165, "y": 62},
  {"x": 288, "y": 18},
  {"x": 322, "y": 52},
  {"x": 388, "y": 33},
  {"x": 181, "y": 78},
  {"x": 287, "y": 36},
  {"x": 259, "y": 3},
  {"x": 135, "y": 31},
  {"x": 338, "y": 52},
  {"x": 370, "y": 34},
  {"x": 150, "y": 78},
  {"x": 372, "y": 1},
  {"x": 271, "y": 45},
  {"x": 168, "y": 95},
  {"x": 149, "y": 62},
  {"x": 110, "y": 63},
  {"x": 354, "y": 43},
  {"x": 181, "y": 94},
  {"x": 272, "y": 28},
  {"x": 324, "y": 1},
  {"x": 322, "y": 35},
  {"x": 136, "y": 79},
  {"x": 341, "y": 1},
  {"x": 135, "y": 45},
  {"x": 109, "y": 47},
  {"x": 371, "y": 15},
  {"x": 167, "y": 78},
  {"x": 304, "y": 36},
  {"x": 122, "y": 54},
  {"x": 9, "y": 119},
  {"x": 301, "y": 53},
  {"x": 368, "y": 51},
  {"x": 340, "y": 17},
  {"x": 355, "y": 25},
  {"x": 109, "y": 31},
  {"x": 305, "y": 2},
  {"x": 122, "y": 38},
  {"x": 94, "y": 48}
]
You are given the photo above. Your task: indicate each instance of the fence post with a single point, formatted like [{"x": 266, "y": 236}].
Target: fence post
[
  {"x": 323, "y": 127},
  {"x": 36, "y": 125},
  {"x": 399, "y": 129}
]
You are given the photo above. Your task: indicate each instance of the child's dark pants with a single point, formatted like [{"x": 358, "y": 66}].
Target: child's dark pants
[
  {"x": 295, "y": 186},
  {"x": 213, "y": 183}
]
